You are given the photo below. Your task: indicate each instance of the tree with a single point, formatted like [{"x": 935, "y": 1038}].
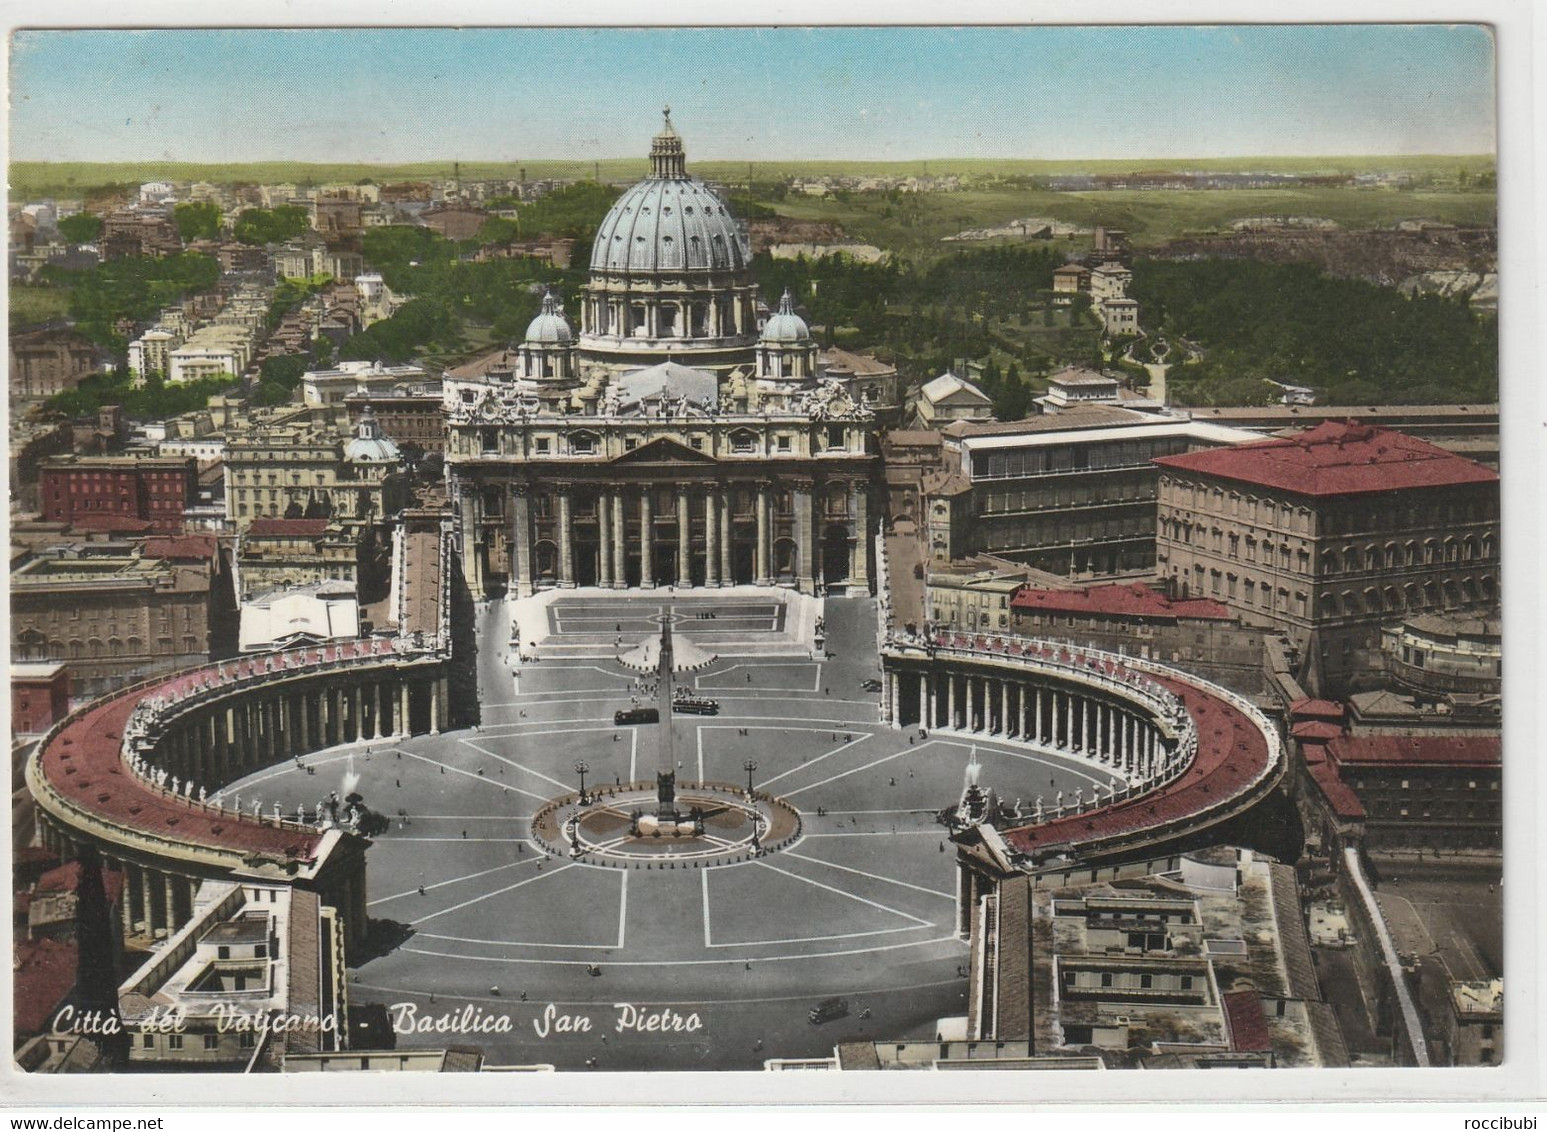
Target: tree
[
  {"x": 271, "y": 226},
  {"x": 197, "y": 220},
  {"x": 82, "y": 228}
]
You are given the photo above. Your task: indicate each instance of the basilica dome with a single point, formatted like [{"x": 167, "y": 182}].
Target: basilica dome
[
  {"x": 669, "y": 222},
  {"x": 671, "y": 275}
]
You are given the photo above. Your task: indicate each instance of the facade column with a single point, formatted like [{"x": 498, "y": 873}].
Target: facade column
[
  {"x": 712, "y": 537},
  {"x": 859, "y": 571},
  {"x": 727, "y": 525},
  {"x": 805, "y": 576},
  {"x": 566, "y": 538},
  {"x": 604, "y": 533},
  {"x": 684, "y": 539},
  {"x": 404, "y": 717},
  {"x": 520, "y": 541},
  {"x": 376, "y": 732},
  {"x": 760, "y": 571},
  {"x": 926, "y": 703},
  {"x": 306, "y": 723},
  {"x": 619, "y": 544},
  {"x": 434, "y": 710},
  {"x": 646, "y": 539},
  {"x": 472, "y": 556}
]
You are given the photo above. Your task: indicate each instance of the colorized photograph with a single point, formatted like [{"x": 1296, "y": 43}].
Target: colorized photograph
[{"x": 813, "y": 549}]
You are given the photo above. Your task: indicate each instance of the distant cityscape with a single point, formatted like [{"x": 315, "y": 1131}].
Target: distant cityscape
[{"x": 1087, "y": 691}]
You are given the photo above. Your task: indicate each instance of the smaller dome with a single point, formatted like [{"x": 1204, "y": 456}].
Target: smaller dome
[
  {"x": 786, "y": 325},
  {"x": 368, "y": 445},
  {"x": 550, "y": 328}
]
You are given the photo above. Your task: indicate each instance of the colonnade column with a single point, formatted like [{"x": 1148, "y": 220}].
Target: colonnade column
[
  {"x": 950, "y": 701},
  {"x": 169, "y": 891},
  {"x": 520, "y": 541},
  {"x": 376, "y": 709},
  {"x": 1004, "y": 708},
  {"x": 403, "y": 716},
  {"x": 760, "y": 572},
  {"x": 712, "y": 536},
  {"x": 926, "y": 703},
  {"x": 566, "y": 538},
  {"x": 619, "y": 563},
  {"x": 646, "y": 539},
  {"x": 684, "y": 536}
]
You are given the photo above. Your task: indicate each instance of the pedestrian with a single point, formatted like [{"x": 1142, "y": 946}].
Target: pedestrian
[
  {"x": 749, "y": 677},
  {"x": 464, "y": 835},
  {"x": 421, "y": 890}
]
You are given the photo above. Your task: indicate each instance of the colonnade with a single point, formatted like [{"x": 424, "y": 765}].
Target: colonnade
[
  {"x": 213, "y": 744},
  {"x": 1065, "y": 717},
  {"x": 208, "y": 733}
]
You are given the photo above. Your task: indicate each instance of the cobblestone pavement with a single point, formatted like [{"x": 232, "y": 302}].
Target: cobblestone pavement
[{"x": 861, "y": 906}]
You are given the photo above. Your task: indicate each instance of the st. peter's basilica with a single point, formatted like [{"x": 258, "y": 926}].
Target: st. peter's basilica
[{"x": 685, "y": 437}]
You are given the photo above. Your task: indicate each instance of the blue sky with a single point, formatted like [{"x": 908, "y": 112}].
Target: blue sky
[{"x": 392, "y": 95}]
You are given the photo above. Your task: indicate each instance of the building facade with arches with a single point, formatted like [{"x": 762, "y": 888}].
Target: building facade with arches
[
  {"x": 675, "y": 439},
  {"x": 1329, "y": 535}
]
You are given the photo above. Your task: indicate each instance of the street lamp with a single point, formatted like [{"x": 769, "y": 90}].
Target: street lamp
[
  {"x": 749, "y": 766},
  {"x": 581, "y": 766}
]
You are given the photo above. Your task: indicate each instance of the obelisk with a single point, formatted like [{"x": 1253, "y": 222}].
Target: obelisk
[{"x": 666, "y": 752}]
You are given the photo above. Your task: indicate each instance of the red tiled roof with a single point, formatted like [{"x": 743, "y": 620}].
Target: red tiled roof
[
  {"x": 1432, "y": 750},
  {"x": 1337, "y": 458},
  {"x": 124, "y": 524},
  {"x": 1245, "y": 1022},
  {"x": 1316, "y": 709},
  {"x": 202, "y": 547},
  {"x": 295, "y": 528},
  {"x": 1315, "y": 729},
  {"x": 1345, "y": 803},
  {"x": 1231, "y": 753},
  {"x": 1136, "y": 600},
  {"x": 45, "y": 976},
  {"x": 83, "y": 763}
]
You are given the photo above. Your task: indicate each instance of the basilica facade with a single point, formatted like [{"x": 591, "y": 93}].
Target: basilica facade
[{"x": 679, "y": 439}]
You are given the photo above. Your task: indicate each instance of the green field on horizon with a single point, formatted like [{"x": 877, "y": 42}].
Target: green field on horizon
[
  {"x": 47, "y": 178},
  {"x": 916, "y": 225}
]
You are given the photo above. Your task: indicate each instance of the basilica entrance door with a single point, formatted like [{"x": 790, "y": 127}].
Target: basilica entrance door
[{"x": 835, "y": 555}]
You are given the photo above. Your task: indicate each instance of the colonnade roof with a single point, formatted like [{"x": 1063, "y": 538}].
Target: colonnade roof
[
  {"x": 83, "y": 763},
  {"x": 1232, "y": 754}
]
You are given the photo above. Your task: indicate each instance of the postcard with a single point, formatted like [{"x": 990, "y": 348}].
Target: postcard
[{"x": 815, "y": 549}]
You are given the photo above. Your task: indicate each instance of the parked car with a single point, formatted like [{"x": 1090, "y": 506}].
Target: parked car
[
  {"x": 871, "y": 685},
  {"x": 829, "y": 1009},
  {"x": 636, "y": 715}
]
